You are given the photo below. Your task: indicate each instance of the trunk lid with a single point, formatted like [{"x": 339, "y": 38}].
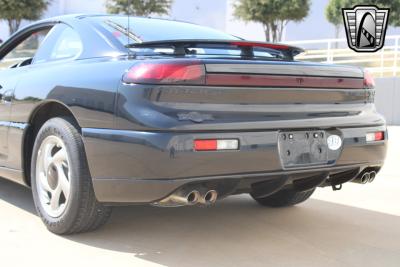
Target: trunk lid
[{"x": 259, "y": 95}]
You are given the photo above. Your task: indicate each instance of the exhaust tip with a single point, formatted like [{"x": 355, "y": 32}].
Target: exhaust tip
[
  {"x": 211, "y": 197},
  {"x": 372, "y": 176},
  {"x": 365, "y": 178},
  {"x": 193, "y": 197}
]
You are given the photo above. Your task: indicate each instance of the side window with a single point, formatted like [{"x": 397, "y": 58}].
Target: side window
[
  {"x": 68, "y": 45},
  {"x": 63, "y": 43},
  {"x": 23, "y": 53}
]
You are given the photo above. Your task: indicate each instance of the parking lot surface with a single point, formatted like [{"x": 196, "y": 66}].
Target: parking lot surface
[{"x": 357, "y": 226}]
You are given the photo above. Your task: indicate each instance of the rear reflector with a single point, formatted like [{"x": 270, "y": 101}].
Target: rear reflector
[
  {"x": 185, "y": 72},
  {"x": 228, "y": 144},
  {"x": 216, "y": 144},
  {"x": 377, "y": 136}
]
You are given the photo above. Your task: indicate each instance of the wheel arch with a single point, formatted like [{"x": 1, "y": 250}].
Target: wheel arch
[{"x": 43, "y": 112}]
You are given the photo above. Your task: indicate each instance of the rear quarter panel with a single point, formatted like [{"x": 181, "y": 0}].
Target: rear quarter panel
[{"x": 86, "y": 87}]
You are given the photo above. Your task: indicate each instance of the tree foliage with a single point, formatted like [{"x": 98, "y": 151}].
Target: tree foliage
[
  {"x": 14, "y": 11},
  {"x": 139, "y": 7},
  {"x": 272, "y": 14},
  {"x": 333, "y": 11}
]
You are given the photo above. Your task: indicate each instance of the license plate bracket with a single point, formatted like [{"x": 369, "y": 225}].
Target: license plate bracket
[{"x": 303, "y": 148}]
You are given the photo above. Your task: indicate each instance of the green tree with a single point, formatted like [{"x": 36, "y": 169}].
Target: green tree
[
  {"x": 333, "y": 11},
  {"x": 139, "y": 7},
  {"x": 272, "y": 14},
  {"x": 14, "y": 11}
]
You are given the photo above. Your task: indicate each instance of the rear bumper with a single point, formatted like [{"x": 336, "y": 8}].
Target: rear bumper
[{"x": 142, "y": 167}]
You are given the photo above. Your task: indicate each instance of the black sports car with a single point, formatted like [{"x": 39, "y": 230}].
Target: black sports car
[{"x": 96, "y": 112}]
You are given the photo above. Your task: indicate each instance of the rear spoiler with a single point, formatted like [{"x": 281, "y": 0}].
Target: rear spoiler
[{"x": 247, "y": 47}]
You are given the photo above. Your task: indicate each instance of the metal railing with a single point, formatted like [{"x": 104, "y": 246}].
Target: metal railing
[{"x": 384, "y": 62}]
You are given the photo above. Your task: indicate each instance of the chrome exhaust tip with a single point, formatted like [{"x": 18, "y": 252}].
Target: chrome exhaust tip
[
  {"x": 365, "y": 178},
  {"x": 193, "y": 197},
  {"x": 211, "y": 197},
  {"x": 180, "y": 199},
  {"x": 372, "y": 176}
]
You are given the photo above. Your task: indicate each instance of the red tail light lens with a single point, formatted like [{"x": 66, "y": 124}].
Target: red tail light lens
[
  {"x": 216, "y": 144},
  {"x": 257, "y": 44},
  {"x": 205, "y": 145},
  {"x": 376, "y": 136},
  {"x": 163, "y": 72},
  {"x": 379, "y": 136},
  {"x": 369, "y": 81}
]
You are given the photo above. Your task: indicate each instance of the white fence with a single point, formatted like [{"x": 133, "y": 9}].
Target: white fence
[{"x": 383, "y": 63}]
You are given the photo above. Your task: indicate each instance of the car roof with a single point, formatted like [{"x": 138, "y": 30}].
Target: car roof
[{"x": 69, "y": 17}]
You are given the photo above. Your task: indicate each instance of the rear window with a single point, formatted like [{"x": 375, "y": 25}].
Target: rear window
[
  {"x": 148, "y": 29},
  {"x": 142, "y": 30},
  {"x": 217, "y": 52}
]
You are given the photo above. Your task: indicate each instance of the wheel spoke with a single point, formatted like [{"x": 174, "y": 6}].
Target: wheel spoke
[
  {"x": 55, "y": 198},
  {"x": 63, "y": 181},
  {"x": 43, "y": 181},
  {"x": 47, "y": 158},
  {"x": 60, "y": 156},
  {"x": 44, "y": 197}
]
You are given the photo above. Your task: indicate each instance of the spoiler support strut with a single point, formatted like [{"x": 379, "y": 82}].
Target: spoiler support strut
[{"x": 246, "y": 47}]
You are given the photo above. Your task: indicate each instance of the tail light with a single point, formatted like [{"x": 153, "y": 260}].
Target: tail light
[
  {"x": 215, "y": 144},
  {"x": 376, "y": 136},
  {"x": 368, "y": 80},
  {"x": 166, "y": 72},
  {"x": 259, "y": 44}
]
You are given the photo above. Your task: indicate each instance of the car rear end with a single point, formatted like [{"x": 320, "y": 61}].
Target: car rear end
[{"x": 202, "y": 126}]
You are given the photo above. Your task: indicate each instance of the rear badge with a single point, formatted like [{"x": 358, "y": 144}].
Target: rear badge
[
  {"x": 334, "y": 142},
  {"x": 195, "y": 117}
]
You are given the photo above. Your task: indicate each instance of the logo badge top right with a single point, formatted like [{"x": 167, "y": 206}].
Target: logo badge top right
[{"x": 365, "y": 27}]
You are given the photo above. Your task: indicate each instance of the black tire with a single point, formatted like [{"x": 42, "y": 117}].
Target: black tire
[
  {"x": 284, "y": 198},
  {"x": 82, "y": 212}
]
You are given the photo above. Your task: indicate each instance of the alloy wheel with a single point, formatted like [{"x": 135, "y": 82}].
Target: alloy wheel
[{"x": 53, "y": 176}]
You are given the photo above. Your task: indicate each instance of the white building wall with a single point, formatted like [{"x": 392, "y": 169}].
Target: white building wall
[
  {"x": 210, "y": 13},
  {"x": 3, "y": 30},
  {"x": 204, "y": 12},
  {"x": 387, "y": 98},
  {"x": 246, "y": 30},
  {"x": 62, "y": 7}
]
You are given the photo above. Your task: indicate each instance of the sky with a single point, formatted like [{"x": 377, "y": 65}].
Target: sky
[{"x": 216, "y": 14}]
